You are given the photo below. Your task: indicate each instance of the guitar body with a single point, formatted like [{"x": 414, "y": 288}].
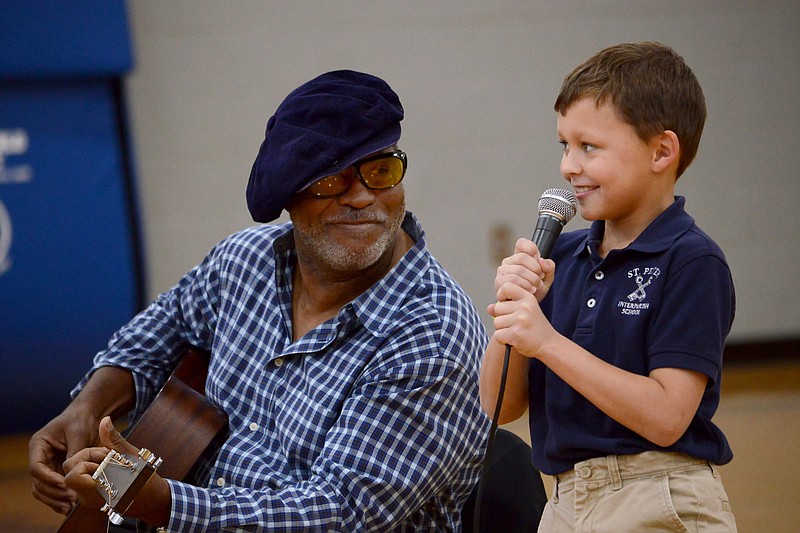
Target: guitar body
[{"x": 179, "y": 426}]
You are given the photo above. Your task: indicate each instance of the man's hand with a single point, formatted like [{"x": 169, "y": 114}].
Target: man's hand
[
  {"x": 109, "y": 391},
  {"x": 153, "y": 502},
  {"x": 49, "y": 448},
  {"x": 80, "y": 467}
]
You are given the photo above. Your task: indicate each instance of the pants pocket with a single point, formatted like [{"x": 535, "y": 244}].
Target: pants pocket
[{"x": 700, "y": 500}]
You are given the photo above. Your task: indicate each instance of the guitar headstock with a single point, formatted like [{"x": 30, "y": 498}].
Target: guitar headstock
[{"x": 120, "y": 477}]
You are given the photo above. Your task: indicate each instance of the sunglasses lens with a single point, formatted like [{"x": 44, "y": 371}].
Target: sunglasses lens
[
  {"x": 329, "y": 186},
  {"x": 382, "y": 173}
]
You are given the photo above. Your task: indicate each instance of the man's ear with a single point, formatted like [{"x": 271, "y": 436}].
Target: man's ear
[{"x": 666, "y": 151}]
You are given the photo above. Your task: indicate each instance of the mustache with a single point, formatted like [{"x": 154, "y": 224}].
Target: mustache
[{"x": 357, "y": 217}]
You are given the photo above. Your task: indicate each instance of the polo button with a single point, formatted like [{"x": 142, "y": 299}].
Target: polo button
[
  {"x": 591, "y": 303},
  {"x": 279, "y": 362},
  {"x": 585, "y": 472},
  {"x": 220, "y": 482},
  {"x": 599, "y": 275},
  {"x": 253, "y": 426}
]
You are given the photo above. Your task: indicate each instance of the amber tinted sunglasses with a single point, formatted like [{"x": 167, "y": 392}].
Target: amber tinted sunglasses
[{"x": 376, "y": 172}]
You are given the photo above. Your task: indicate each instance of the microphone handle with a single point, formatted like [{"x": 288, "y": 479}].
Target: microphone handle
[{"x": 547, "y": 230}]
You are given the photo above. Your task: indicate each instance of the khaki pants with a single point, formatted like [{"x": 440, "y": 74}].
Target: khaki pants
[{"x": 650, "y": 491}]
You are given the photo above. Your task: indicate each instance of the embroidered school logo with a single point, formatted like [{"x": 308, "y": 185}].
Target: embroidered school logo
[
  {"x": 636, "y": 303},
  {"x": 638, "y": 295}
]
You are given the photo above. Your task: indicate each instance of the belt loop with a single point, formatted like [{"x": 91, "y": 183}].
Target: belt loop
[
  {"x": 613, "y": 472},
  {"x": 555, "y": 489}
]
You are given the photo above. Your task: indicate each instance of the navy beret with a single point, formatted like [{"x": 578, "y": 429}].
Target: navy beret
[{"x": 321, "y": 128}]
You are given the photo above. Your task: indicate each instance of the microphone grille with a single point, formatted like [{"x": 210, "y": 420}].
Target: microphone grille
[{"x": 560, "y": 203}]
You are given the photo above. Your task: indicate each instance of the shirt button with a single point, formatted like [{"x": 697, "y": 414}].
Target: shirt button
[
  {"x": 253, "y": 426},
  {"x": 591, "y": 303},
  {"x": 220, "y": 482},
  {"x": 279, "y": 362},
  {"x": 599, "y": 275}
]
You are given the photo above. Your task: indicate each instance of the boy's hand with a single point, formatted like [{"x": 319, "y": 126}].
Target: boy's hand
[
  {"x": 526, "y": 269},
  {"x": 519, "y": 321}
]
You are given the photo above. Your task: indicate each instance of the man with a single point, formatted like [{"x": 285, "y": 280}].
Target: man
[{"x": 343, "y": 354}]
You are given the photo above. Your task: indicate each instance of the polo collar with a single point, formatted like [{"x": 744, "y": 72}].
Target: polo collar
[{"x": 658, "y": 236}]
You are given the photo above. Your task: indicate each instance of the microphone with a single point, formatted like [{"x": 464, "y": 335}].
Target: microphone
[{"x": 556, "y": 208}]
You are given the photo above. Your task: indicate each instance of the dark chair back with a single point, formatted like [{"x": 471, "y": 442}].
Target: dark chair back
[{"x": 514, "y": 495}]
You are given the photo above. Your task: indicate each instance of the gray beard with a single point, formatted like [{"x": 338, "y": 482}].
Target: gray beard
[{"x": 344, "y": 259}]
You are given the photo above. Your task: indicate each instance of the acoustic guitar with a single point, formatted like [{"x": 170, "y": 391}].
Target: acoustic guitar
[{"x": 178, "y": 426}]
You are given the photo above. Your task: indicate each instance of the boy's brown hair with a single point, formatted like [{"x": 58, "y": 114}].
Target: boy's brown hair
[{"x": 651, "y": 87}]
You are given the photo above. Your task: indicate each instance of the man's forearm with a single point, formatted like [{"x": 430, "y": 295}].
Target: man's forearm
[{"x": 109, "y": 392}]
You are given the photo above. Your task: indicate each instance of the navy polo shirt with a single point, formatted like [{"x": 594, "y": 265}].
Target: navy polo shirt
[{"x": 667, "y": 300}]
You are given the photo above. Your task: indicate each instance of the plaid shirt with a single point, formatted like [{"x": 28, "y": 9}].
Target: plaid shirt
[{"x": 369, "y": 422}]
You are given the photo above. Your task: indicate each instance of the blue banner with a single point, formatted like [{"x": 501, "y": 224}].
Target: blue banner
[
  {"x": 58, "y": 38},
  {"x": 70, "y": 269}
]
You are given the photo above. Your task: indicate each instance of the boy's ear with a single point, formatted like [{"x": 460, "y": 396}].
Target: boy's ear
[{"x": 667, "y": 150}]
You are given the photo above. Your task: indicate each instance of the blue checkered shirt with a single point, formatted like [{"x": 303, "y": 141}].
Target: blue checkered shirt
[{"x": 369, "y": 422}]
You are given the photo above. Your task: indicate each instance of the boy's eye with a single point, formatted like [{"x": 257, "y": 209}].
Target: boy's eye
[{"x": 586, "y": 147}]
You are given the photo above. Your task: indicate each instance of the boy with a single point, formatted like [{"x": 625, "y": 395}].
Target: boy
[{"x": 619, "y": 356}]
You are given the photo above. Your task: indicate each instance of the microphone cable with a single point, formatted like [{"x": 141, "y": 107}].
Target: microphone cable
[
  {"x": 476, "y": 520},
  {"x": 556, "y": 208}
]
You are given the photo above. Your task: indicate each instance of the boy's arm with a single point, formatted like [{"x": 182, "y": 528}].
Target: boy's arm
[{"x": 659, "y": 406}]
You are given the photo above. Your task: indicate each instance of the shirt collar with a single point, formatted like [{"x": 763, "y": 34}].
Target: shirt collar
[
  {"x": 658, "y": 236},
  {"x": 377, "y": 307}
]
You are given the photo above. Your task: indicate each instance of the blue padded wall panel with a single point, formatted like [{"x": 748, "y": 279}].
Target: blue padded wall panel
[
  {"x": 70, "y": 271},
  {"x": 59, "y": 38}
]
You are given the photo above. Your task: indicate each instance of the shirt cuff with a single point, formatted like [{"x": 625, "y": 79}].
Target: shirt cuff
[{"x": 191, "y": 508}]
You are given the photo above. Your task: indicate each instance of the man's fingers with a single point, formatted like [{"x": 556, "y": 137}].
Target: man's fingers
[
  {"x": 48, "y": 484},
  {"x": 58, "y": 499},
  {"x": 47, "y": 474},
  {"x": 111, "y": 438},
  {"x": 82, "y": 468},
  {"x": 79, "y": 479},
  {"x": 87, "y": 455}
]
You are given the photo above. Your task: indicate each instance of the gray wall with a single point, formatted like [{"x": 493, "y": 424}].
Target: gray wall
[{"x": 478, "y": 80}]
